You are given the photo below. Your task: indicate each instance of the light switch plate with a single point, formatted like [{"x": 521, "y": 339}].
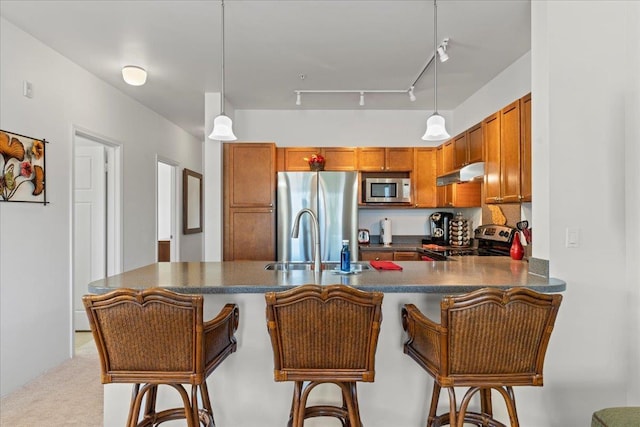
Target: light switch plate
[{"x": 573, "y": 238}]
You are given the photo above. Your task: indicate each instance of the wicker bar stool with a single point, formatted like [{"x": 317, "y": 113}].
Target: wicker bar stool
[
  {"x": 320, "y": 335},
  {"x": 488, "y": 339},
  {"x": 157, "y": 337}
]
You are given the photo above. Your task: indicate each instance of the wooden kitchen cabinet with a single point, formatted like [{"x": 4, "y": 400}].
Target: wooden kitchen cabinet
[
  {"x": 376, "y": 255},
  {"x": 461, "y": 195},
  {"x": 424, "y": 178},
  {"x": 340, "y": 158},
  {"x": 385, "y": 159},
  {"x": 467, "y": 147},
  {"x": 406, "y": 256},
  {"x": 505, "y": 154},
  {"x": 249, "y": 179},
  {"x": 440, "y": 191},
  {"x": 525, "y": 148},
  {"x": 447, "y": 157},
  {"x": 336, "y": 158}
]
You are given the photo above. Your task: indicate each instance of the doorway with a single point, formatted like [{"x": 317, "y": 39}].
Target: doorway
[
  {"x": 166, "y": 213},
  {"x": 96, "y": 217}
]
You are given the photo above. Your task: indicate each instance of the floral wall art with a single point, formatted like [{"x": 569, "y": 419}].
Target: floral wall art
[{"x": 22, "y": 168}]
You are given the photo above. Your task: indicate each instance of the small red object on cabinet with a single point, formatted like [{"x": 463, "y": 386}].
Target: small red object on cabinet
[{"x": 516, "y": 251}]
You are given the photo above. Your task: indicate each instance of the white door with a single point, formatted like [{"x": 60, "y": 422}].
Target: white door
[
  {"x": 166, "y": 206},
  {"x": 90, "y": 223}
]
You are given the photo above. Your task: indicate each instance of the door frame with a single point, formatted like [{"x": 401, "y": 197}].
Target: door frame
[
  {"x": 114, "y": 210},
  {"x": 175, "y": 232}
]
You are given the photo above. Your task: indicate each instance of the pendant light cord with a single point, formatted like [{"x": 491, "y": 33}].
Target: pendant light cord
[
  {"x": 435, "y": 60},
  {"x": 222, "y": 90}
]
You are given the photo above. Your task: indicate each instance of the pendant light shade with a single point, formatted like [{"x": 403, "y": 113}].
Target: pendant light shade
[
  {"x": 222, "y": 129},
  {"x": 222, "y": 125},
  {"x": 436, "y": 130}
]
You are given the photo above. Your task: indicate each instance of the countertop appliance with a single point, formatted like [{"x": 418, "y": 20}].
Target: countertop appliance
[
  {"x": 387, "y": 190},
  {"x": 439, "y": 225},
  {"x": 333, "y": 197},
  {"x": 489, "y": 240}
]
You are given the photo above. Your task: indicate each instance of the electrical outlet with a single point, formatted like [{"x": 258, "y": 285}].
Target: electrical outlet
[
  {"x": 573, "y": 238},
  {"x": 27, "y": 89}
]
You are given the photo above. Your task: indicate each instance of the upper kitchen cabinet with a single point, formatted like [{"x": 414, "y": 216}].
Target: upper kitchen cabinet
[
  {"x": 340, "y": 158},
  {"x": 336, "y": 158},
  {"x": 448, "y": 157},
  {"x": 525, "y": 148},
  {"x": 424, "y": 178},
  {"x": 461, "y": 195},
  {"x": 467, "y": 147},
  {"x": 380, "y": 159},
  {"x": 504, "y": 153},
  {"x": 249, "y": 177},
  {"x": 293, "y": 158}
]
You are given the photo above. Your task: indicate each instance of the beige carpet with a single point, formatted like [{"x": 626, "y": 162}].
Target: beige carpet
[{"x": 69, "y": 395}]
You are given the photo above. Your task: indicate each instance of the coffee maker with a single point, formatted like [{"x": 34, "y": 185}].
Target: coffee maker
[{"x": 439, "y": 223}]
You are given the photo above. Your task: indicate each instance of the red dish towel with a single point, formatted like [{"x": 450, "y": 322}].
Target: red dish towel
[{"x": 385, "y": 265}]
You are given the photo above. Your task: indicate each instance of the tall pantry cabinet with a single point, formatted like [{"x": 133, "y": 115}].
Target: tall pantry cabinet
[{"x": 249, "y": 175}]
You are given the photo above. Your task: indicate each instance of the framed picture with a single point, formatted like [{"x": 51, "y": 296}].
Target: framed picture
[
  {"x": 22, "y": 168},
  {"x": 191, "y": 202}
]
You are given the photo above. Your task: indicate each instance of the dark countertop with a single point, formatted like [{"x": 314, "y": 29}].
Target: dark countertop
[{"x": 456, "y": 276}]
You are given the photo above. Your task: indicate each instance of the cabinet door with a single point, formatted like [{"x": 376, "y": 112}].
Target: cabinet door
[
  {"x": 424, "y": 178},
  {"x": 460, "y": 151},
  {"x": 447, "y": 157},
  {"x": 250, "y": 235},
  {"x": 510, "y": 153},
  {"x": 294, "y": 158},
  {"x": 441, "y": 197},
  {"x": 371, "y": 159},
  {"x": 466, "y": 195},
  {"x": 474, "y": 144},
  {"x": 406, "y": 256},
  {"x": 340, "y": 159},
  {"x": 249, "y": 174},
  {"x": 491, "y": 139},
  {"x": 376, "y": 255},
  {"x": 399, "y": 159},
  {"x": 525, "y": 156}
]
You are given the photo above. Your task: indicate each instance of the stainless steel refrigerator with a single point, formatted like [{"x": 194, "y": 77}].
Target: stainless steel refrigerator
[{"x": 333, "y": 197}]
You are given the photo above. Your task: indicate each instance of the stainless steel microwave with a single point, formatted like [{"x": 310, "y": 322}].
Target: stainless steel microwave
[{"x": 387, "y": 190}]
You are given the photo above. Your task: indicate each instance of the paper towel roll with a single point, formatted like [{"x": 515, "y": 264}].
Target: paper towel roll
[{"x": 385, "y": 231}]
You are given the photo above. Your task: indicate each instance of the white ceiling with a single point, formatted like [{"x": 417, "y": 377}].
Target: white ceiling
[{"x": 336, "y": 44}]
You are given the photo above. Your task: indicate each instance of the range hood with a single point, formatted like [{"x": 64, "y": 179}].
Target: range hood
[{"x": 472, "y": 172}]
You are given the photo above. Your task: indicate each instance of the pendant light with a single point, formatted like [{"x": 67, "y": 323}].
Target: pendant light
[
  {"x": 436, "y": 130},
  {"x": 222, "y": 125}
]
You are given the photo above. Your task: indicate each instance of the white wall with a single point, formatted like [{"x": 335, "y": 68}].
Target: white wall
[
  {"x": 165, "y": 175},
  {"x": 35, "y": 248},
  {"x": 580, "y": 84}
]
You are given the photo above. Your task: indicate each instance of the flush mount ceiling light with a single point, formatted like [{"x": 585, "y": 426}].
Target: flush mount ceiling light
[
  {"x": 134, "y": 75},
  {"x": 222, "y": 125},
  {"x": 436, "y": 130}
]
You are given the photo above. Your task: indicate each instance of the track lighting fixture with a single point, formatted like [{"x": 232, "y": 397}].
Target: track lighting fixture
[
  {"x": 298, "y": 98},
  {"x": 436, "y": 130},
  {"x": 442, "y": 50},
  {"x": 412, "y": 97},
  {"x": 361, "y": 99},
  {"x": 222, "y": 125}
]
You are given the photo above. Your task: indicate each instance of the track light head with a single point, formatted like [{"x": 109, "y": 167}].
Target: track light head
[
  {"x": 361, "y": 99},
  {"x": 442, "y": 50},
  {"x": 412, "y": 97},
  {"x": 298, "y": 98}
]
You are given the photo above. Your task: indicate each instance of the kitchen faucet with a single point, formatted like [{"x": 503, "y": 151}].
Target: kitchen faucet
[{"x": 316, "y": 235}]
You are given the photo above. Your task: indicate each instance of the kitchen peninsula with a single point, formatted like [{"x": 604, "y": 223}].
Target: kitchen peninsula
[{"x": 243, "y": 391}]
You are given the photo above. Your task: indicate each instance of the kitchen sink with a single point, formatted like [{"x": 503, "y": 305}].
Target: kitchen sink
[{"x": 290, "y": 266}]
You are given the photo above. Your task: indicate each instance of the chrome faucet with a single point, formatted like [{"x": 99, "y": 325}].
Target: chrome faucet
[{"x": 316, "y": 235}]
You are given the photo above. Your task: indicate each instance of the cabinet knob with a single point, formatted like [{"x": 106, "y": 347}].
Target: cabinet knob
[{"x": 377, "y": 258}]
